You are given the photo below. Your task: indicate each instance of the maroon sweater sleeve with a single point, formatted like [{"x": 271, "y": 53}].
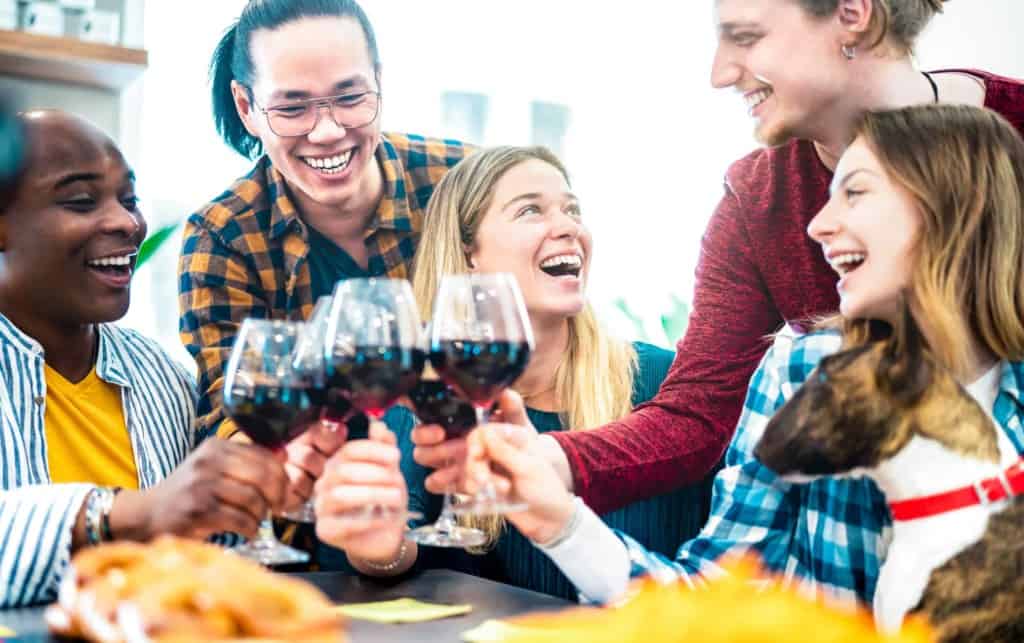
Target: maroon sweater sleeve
[{"x": 680, "y": 434}]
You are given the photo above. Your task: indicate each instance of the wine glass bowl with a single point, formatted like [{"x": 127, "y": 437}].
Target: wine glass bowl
[{"x": 268, "y": 399}]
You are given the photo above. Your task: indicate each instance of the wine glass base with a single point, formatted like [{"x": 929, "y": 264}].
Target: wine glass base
[
  {"x": 487, "y": 506},
  {"x": 447, "y": 537},
  {"x": 377, "y": 512},
  {"x": 270, "y": 553},
  {"x": 304, "y": 514}
]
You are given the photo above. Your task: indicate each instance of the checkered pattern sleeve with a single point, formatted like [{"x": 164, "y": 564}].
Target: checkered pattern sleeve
[
  {"x": 217, "y": 289},
  {"x": 754, "y": 510}
]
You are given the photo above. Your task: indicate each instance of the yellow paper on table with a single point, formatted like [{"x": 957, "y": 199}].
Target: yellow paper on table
[
  {"x": 492, "y": 631},
  {"x": 6, "y": 631},
  {"x": 402, "y": 610}
]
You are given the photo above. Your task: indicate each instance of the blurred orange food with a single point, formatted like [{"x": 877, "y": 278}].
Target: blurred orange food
[
  {"x": 174, "y": 590},
  {"x": 734, "y": 609}
]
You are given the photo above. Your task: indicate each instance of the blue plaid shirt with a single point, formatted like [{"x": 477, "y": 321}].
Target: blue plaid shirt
[{"x": 830, "y": 536}]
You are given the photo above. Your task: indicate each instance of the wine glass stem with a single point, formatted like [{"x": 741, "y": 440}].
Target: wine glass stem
[
  {"x": 446, "y": 521},
  {"x": 488, "y": 491},
  {"x": 266, "y": 530},
  {"x": 483, "y": 414}
]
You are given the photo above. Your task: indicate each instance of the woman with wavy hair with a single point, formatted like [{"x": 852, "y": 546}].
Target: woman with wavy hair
[
  {"x": 511, "y": 209},
  {"x": 927, "y": 207}
]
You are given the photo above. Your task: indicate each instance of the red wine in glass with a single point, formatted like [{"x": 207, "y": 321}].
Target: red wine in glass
[
  {"x": 437, "y": 403},
  {"x": 272, "y": 415},
  {"x": 373, "y": 377},
  {"x": 479, "y": 370}
]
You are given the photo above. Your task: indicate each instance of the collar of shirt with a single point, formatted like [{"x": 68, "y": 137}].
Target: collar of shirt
[
  {"x": 392, "y": 212},
  {"x": 110, "y": 366}
]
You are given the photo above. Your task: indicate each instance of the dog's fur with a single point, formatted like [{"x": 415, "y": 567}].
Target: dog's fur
[{"x": 886, "y": 410}]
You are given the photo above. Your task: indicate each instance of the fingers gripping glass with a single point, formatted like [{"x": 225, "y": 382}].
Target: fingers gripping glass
[
  {"x": 436, "y": 403},
  {"x": 270, "y": 403},
  {"x": 480, "y": 342},
  {"x": 308, "y": 362},
  {"x": 300, "y": 117}
]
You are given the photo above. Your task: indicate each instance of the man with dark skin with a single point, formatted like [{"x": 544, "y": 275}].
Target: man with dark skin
[{"x": 68, "y": 242}]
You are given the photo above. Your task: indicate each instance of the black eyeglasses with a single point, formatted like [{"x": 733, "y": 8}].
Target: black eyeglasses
[{"x": 298, "y": 118}]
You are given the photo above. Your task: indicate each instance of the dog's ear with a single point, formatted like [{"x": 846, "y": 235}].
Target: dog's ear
[{"x": 905, "y": 367}]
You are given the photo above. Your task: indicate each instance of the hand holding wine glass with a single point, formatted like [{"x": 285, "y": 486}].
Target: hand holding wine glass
[
  {"x": 480, "y": 342},
  {"x": 269, "y": 401},
  {"x": 373, "y": 352},
  {"x": 500, "y": 454}
]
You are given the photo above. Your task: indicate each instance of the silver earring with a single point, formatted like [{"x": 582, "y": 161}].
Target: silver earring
[{"x": 848, "y": 52}]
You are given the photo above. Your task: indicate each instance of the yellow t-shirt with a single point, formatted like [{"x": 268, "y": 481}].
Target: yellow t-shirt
[{"x": 86, "y": 436}]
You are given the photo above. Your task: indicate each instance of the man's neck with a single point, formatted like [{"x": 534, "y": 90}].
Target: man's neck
[{"x": 69, "y": 349}]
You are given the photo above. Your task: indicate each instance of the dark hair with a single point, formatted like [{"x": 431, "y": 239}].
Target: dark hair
[
  {"x": 232, "y": 59},
  {"x": 12, "y": 154}
]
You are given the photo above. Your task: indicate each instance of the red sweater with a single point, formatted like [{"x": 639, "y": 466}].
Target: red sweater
[{"x": 757, "y": 270}]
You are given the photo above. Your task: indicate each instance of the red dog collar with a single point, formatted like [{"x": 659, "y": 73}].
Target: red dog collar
[{"x": 1007, "y": 484}]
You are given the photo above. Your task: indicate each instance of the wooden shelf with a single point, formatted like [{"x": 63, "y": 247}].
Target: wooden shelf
[{"x": 69, "y": 60}]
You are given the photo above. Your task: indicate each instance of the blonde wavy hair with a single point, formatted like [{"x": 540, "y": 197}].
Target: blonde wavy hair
[
  {"x": 964, "y": 168},
  {"x": 453, "y": 217}
]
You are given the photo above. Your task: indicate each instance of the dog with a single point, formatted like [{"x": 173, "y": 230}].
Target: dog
[{"x": 888, "y": 411}]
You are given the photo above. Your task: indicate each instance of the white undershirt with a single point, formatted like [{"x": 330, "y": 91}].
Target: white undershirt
[
  {"x": 594, "y": 559},
  {"x": 984, "y": 390}
]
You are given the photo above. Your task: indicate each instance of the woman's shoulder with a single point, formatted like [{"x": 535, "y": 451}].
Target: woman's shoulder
[
  {"x": 652, "y": 365},
  {"x": 792, "y": 356}
]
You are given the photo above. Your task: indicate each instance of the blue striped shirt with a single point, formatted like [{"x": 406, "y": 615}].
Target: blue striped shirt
[
  {"x": 36, "y": 516},
  {"x": 829, "y": 536}
]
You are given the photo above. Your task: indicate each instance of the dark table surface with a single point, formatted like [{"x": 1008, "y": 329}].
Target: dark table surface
[{"x": 489, "y": 600}]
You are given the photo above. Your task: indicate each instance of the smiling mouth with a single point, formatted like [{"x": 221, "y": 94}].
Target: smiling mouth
[
  {"x": 754, "y": 99},
  {"x": 329, "y": 164},
  {"x": 115, "y": 265},
  {"x": 846, "y": 263},
  {"x": 569, "y": 265}
]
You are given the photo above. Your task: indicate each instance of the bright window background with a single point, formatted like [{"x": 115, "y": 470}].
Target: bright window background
[{"x": 623, "y": 94}]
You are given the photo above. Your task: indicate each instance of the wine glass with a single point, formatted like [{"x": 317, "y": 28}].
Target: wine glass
[
  {"x": 308, "y": 362},
  {"x": 436, "y": 403},
  {"x": 372, "y": 350},
  {"x": 269, "y": 401},
  {"x": 480, "y": 342}
]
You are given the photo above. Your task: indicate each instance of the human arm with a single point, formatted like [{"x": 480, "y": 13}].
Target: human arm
[
  {"x": 221, "y": 487},
  {"x": 679, "y": 435},
  {"x": 217, "y": 290},
  {"x": 751, "y": 507}
]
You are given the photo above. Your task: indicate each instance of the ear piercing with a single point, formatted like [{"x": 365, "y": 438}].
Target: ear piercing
[{"x": 849, "y": 52}]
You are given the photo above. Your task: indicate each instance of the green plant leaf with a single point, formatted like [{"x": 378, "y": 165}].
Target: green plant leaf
[
  {"x": 638, "y": 323},
  {"x": 674, "y": 323},
  {"x": 153, "y": 243}
]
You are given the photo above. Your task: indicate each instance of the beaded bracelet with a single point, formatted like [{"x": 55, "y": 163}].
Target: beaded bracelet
[
  {"x": 389, "y": 567},
  {"x": 97, "y": 514}
]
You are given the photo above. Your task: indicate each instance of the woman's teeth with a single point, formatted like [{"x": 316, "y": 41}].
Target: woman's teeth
[
  {"x": 756, "y": 98},
  {"x": 562, "y": 265},
  {"x": 329, "y": 164},
  {"x": 846, "y": 263}
]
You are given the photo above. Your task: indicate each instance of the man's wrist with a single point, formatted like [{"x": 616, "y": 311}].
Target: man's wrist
[{"x": 128, "y": 518}]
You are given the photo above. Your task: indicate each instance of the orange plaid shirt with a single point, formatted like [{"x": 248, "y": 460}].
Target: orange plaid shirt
[{"x": 245, "y": 254}]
